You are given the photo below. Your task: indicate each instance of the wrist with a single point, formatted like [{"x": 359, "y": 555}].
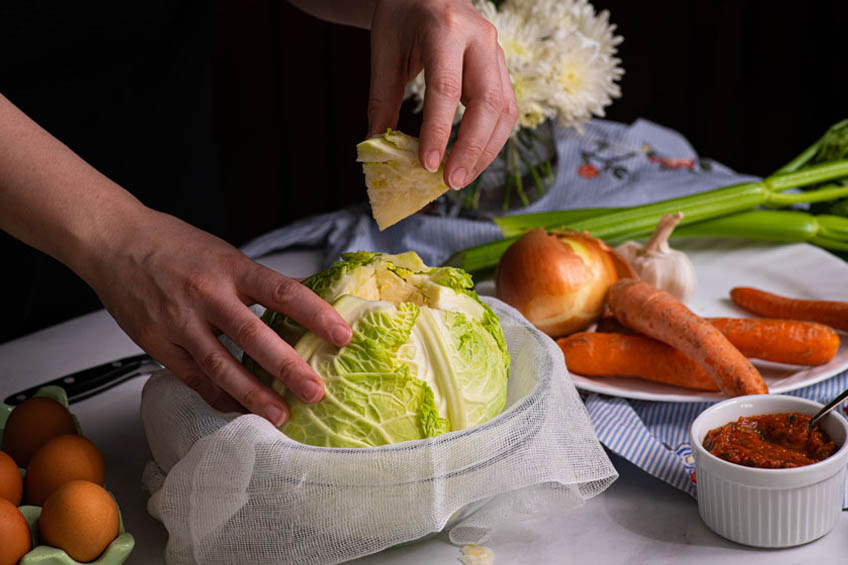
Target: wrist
[{"x": 109, "y": 232}]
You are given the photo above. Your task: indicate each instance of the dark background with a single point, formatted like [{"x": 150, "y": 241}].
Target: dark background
[{"x": 750, "y": 84}]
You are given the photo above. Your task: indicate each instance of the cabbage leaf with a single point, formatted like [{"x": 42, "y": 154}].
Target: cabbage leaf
[{"x": 427, "y": 355}]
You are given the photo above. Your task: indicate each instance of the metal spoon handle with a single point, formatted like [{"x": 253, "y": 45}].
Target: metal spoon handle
[{"x": 828, "y": 407}]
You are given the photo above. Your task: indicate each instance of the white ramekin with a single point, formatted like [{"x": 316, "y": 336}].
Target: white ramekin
[{"x": 769, "y": 507}]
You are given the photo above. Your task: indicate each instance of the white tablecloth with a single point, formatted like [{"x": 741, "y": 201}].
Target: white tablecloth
[{"x": 638, "y": 520}]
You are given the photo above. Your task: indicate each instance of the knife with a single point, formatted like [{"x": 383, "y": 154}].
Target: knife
[{"x": 94, "y": 380}]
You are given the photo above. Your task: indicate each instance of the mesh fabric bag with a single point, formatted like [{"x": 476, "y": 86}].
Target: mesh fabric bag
[{"x": 235, "y": 490}]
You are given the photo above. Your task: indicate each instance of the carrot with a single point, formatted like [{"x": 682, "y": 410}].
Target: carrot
[
  {"x": 781, "y": 341},
  {"x": 619, "y": 355},
  {"x": 657, "y": 314},
  {"x": 832, "y": 313}
]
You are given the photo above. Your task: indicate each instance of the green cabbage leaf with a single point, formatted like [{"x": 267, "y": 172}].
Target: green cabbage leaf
[{"x": 427, "y": 356}]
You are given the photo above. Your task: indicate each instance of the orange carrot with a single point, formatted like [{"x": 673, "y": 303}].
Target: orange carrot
[
  {"x": 618, "y": 355},
  {"x": 781, "y": 341},
  {"x": 657, "y": 314},
  {"x": 832, "y": 313}
]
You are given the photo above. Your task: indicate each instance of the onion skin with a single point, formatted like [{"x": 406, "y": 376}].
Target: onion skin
[{"x": 558, "y": 281}]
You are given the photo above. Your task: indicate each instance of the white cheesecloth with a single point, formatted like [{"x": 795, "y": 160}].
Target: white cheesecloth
[{"x": 233, "y": 489}]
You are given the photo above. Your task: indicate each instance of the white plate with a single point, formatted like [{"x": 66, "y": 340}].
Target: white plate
[{"x": 797, "y": 270}]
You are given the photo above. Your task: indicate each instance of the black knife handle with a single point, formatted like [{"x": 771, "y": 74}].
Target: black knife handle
[{"x": 88, "y": 382}]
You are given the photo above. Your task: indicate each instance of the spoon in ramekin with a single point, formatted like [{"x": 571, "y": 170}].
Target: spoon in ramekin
[{"x": 827, "y": 408}]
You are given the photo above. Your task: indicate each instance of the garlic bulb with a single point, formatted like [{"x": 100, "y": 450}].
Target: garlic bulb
[{"x": 658, "y": 264}]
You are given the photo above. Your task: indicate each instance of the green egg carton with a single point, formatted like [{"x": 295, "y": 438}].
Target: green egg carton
[
  {"x": 115, "y": 553},
  {"x": 57, "y": 393}
]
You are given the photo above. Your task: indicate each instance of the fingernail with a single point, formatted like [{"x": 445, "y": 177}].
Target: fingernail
[
  {"x": 431, "y": 163},
  {"x": 311, "y": 391},
  {"x": 341, "y": 335},
  {"x": 457, "y": 179},
  {"x": 276, "y": 415}
]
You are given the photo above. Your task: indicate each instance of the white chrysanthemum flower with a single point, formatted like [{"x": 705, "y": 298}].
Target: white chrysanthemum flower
[
  {"x": 567, "y": 16},
  {"x": 560, "y": 57},
  {"x": 552, "y": 15},
  {"x": 526, "y": 60},
  {"x": 598, "y": 28},
  {"x": 519, "y": 38},
  {"x": 533, "y": 97},
  {"x": 415, "y": 89},
  {"x": 584, "y": 79}
]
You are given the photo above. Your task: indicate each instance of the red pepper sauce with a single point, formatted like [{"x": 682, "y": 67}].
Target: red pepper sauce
[{"x": 770, "y": 441}]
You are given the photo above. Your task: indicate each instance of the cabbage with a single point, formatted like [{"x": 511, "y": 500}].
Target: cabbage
[
  {"x": 398, "y": 186},
  {"x": 427, "y": 356}
]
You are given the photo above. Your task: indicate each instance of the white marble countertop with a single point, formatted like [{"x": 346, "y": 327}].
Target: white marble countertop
[{"x": 638, "y": 519}]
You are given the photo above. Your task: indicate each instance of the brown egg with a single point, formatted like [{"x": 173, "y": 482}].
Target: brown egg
[
  {"x": 81, "y": 518},
  {"x": 11, "y": 483},
  {"x": 33, "y": 423},
  {"x": 62, "y": 459},
  {"x": 15, "y": 539}
]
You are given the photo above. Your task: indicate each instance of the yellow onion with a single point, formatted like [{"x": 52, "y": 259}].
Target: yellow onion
[{"x": 558, "y": 280}]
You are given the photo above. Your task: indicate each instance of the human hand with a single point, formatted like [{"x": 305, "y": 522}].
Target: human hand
[
  {"x": 462, "y": 61},
  {"x": 172, "y": 287}
]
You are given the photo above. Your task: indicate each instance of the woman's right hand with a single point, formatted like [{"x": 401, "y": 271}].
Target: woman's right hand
[{"x": 172, "y": 288}]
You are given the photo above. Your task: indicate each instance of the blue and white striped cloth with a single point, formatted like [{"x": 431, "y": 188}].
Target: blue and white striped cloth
[{"x": 654, "y": 436}]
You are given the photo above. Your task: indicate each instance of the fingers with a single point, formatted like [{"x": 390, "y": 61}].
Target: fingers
[
  {"x": 225, "y": 372},
  {"x": 180, "y": 362},
  {"x": 506, "y": 122},
  {"x": 266, "y": 348},
  {"x": 190, "y": 285},
  {"x": 461, "y": 58},
  {"x": 443, "y": 74},
  {"x": 285, "y": 295},
  {"x": 485, "y": 125},
  {"x": 386, "y": 91}
]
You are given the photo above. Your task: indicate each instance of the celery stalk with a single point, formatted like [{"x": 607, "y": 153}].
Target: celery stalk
[
  {"x": 769, "y": 225},
  {"x": 516, "y": 225},
  {"x": 696, "y": 207},
  {"x": 807, "y": 176},
  {"x": 832, "y": 145},
  {"x": 833, "y": 227},
  {"x": 830, "y": 232},
  {"x": 827, "y": 243},
  {"x": 482, "y": 257},
  {"x": 726, "y": 211}
]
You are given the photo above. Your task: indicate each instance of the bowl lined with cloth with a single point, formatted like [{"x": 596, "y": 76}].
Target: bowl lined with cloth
[{"x": 233, "y": 488}]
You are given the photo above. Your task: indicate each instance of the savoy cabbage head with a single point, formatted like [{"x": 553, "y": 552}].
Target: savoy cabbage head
[{"x": 427, "y": 356}]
